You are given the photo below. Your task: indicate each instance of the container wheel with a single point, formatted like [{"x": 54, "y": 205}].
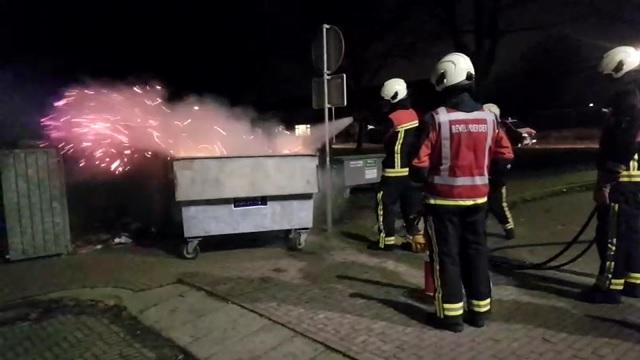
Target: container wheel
[
  {"x": 296, "y": 239},
  {"x": 190, "y": 250}
]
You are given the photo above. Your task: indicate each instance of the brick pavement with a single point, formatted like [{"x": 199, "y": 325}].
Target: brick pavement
[
  {"x": 78, "y": 330},
  {"x": 362, "y": 302}
]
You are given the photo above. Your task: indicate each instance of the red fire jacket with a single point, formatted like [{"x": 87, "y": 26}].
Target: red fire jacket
[
  {"x": 457, "y": 154},
  {"x": 400, "y": 142}
]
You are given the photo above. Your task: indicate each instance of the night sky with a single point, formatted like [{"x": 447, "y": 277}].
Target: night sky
[{"x": 258, "y": 52}]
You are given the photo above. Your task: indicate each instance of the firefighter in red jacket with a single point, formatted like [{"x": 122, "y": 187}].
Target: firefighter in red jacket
[
  {"x": 617, "y": 192},
  {"x": 461, "y": 143},
  {"x": 396, "y": 188}
]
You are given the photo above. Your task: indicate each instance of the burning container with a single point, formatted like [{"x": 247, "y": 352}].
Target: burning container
[{"x": 231, "y": 195}]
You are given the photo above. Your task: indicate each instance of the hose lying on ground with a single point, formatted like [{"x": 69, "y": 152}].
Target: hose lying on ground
[{"x": 545, "y": 265}]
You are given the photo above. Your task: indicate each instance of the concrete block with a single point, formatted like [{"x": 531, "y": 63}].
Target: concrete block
[
  {"x": 180, "y": 310},
  {"x": 255, "y": 344},
  {"x": 295, "y": 348}
]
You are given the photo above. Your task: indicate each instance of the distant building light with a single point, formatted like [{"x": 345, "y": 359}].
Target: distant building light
[
  {"x": 590, "y": 104},
  {"x": 303, "y": 130}
]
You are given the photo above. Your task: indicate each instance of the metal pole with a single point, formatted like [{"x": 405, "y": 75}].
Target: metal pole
[
  {"x": 333, "y": 122},
  {"x": 325, "y": 75}
]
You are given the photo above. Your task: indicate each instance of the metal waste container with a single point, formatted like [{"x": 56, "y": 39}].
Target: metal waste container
[{"x": 231, "y": 195}]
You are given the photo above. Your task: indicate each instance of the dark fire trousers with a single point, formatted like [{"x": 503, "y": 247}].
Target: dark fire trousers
[
  {"x": 396, "y": 190},
  {"x": 498, "y": 206},
  {"x": 460, "y": 257},
  {"x": 618, "y": 242}
]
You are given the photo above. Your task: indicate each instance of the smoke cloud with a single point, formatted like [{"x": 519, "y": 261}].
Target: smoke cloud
[{"x": 112, "y": 126}]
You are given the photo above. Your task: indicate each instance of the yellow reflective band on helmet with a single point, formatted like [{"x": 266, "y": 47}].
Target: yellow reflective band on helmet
[
  {"x": 396, "y": 172},
  {"x": 408, "y": 125},
  {"x": 466, "y": 202}
]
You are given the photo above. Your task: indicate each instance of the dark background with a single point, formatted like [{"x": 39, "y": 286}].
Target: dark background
[{"x": 536, "y": 58}]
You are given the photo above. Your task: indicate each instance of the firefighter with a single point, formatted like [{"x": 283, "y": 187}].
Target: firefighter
[
  {"x": 498, "y": 206},
  {"x": 617, "y": 193},
  {"x": 461, "y": 143},
  {"x": 396, "y": 188}
]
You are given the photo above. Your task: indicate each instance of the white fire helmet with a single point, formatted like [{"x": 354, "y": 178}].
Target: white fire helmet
[
  {"x": 455, "y": 68},
  {"x": 492, "y": 108},
  {"x": 619, "y": 61},
  {"x": 394, "y": 90}
]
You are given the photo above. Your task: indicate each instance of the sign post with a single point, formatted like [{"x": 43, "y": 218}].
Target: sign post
[
  {"x": 328, "y": 179},
  {"x": 330, "y": 44}
]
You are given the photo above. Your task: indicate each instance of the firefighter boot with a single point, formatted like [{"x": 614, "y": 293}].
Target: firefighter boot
[
  {"x": 596, "y": 295},
  {"x": 477, "y": 319},
  {"x": 631, "y": 290},
  {"x": 453, "y": 324},
  {"x": 418, "y": 243},
  {"x": 510, "y": 233}
]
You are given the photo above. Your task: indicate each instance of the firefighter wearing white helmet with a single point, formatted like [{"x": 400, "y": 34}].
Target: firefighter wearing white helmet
[
  {"x": 498, "y": 206},
  {"x": 400, "y": 144},
  {"x": 456, "y": 182},
  {"x": 453, "y": 69},
  {"x": 617, "y": 193},
  {"x": 620, "y": 61},
  {"x": 394, "y": 90}
]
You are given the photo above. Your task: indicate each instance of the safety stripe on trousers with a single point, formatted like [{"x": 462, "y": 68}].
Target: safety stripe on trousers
[
  {"x": 395, "y": 172},
  {"x": 633, "y": 278},
  {"x": 456, "y": 309},
  {"x": 381, "y": 235},
  {"x": 611, "y": 247},
  {"x": 437, "y": 297},
  {"x": 462, "y": 202},
  {"x": 480, "y": 305},
  {"x": 505, "y": 207},
  {"x": 617, "y": 284}
]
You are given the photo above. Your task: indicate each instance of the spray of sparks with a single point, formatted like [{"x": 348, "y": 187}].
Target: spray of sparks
[{"x": 113, "y": 127}]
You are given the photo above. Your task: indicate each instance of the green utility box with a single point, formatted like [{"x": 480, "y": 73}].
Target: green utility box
[
  {"x": 34, "y": 204},
  {"x": 347, "y": 172}
]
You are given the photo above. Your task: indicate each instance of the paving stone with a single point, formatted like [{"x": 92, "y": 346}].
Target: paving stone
[
  {"x": 180, "y": 310},
  {"x": 295, "y": 348},
  {"x": 143, "y": 300},
  {"x": 234, "y": 323},
  {"x": 255, "y": 344}
]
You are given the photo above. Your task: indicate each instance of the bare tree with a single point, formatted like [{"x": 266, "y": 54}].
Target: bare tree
[{"x": 478, "y": 27}]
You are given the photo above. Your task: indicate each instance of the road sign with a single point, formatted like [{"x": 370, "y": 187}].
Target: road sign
[
  {"x": 337, "y": 88},
  {"x": 335, "y": 49}
]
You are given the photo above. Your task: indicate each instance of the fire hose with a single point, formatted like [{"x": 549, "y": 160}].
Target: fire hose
[
  {"x": 546, "y": 264},
  {"x": 429, "y": 283}
]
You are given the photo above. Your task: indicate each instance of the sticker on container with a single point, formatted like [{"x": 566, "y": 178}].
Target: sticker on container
[
  {"x": 371, "y": 162},
  {"x": 371, "y": 173},
  {"x": 356, "y": 163}
]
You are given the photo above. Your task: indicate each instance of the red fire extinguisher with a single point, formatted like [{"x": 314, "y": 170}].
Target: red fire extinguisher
[{"x": 429, "y": 283}]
